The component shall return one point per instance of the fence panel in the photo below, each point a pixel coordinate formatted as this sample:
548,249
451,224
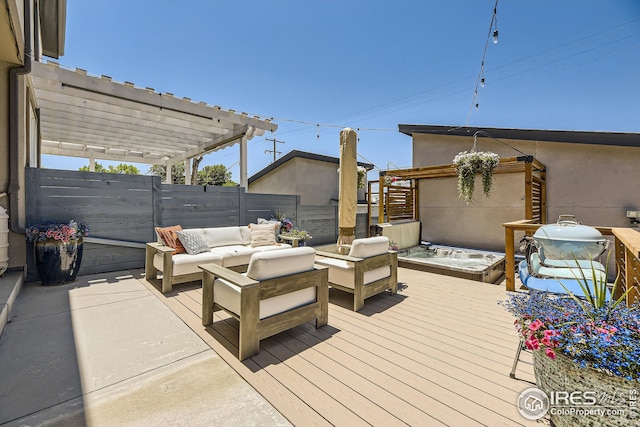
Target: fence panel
118,207
128,207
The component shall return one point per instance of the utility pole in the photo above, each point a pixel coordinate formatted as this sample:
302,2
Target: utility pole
274,151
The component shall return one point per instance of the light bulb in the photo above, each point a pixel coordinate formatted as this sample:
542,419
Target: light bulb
477,106
482,82
495,36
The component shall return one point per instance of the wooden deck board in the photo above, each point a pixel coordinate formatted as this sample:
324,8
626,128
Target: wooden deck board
437,353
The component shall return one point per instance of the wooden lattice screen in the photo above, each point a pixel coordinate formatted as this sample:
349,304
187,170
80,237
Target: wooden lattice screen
400,202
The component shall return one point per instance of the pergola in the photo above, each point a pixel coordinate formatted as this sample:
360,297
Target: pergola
97,118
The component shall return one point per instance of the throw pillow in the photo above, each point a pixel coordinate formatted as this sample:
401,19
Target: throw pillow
170,238
193,241
271,221
263,235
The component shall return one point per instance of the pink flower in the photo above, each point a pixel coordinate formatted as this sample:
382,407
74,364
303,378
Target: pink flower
536,324
550,353
532,344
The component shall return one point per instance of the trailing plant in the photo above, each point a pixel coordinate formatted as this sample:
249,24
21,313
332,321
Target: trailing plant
467,164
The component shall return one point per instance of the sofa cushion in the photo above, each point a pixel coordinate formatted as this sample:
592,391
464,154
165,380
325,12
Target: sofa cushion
369,246
269,264
263,234
223,236
170,238
193,241
245,232
187,264
233,255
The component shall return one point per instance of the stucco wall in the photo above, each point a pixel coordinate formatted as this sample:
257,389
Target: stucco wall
596,183
315,181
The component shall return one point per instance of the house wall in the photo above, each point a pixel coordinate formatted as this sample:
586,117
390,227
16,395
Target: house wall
11,54
596,183
315,181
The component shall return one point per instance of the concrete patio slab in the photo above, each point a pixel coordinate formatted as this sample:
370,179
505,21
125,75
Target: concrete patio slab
105,351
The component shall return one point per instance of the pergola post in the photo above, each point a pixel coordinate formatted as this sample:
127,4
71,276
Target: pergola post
187,172
167,178
244,179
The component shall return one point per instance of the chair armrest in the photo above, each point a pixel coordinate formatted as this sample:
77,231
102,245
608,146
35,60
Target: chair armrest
228,275
338,256
159,247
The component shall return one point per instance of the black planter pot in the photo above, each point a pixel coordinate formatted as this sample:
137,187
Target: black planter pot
58,262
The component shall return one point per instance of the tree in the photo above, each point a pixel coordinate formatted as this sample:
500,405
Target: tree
122,168
209,175
214,175
177,172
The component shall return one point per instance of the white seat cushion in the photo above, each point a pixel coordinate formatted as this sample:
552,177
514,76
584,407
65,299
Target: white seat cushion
268,265
235,255
342,273
227,295
187,264
369,246
223,236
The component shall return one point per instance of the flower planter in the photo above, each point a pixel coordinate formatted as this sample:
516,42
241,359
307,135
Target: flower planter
615,396
58,262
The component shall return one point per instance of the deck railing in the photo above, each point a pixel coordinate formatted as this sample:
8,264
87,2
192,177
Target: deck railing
627,253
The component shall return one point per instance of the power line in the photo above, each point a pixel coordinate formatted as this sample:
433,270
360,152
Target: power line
274,151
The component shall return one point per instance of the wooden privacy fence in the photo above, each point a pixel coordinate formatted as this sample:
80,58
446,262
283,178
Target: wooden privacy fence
122,211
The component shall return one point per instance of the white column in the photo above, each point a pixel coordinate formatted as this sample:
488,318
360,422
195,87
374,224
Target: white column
167,179
244,179
92,164
187,172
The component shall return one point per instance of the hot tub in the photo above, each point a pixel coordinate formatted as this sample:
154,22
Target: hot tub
481,266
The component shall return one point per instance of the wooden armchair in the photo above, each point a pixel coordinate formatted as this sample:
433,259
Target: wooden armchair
370,268
281,289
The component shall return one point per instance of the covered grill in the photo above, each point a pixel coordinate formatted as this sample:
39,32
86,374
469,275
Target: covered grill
569,240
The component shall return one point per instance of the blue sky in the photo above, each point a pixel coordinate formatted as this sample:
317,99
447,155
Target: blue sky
316,67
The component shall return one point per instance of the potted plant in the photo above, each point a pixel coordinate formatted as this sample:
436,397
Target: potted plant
362,173
285,223
467,164
587,347
301,235
58,250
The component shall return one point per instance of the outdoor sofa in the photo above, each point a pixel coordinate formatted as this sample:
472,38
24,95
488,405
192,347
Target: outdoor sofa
178,252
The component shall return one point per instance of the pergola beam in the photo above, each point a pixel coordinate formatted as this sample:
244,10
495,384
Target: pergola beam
96,118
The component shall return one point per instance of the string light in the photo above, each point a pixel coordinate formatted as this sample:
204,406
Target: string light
493,35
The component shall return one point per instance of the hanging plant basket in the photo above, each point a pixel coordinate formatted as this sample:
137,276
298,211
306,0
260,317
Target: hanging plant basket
467,165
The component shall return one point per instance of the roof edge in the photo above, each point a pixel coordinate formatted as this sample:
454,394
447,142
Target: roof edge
303,155
622,139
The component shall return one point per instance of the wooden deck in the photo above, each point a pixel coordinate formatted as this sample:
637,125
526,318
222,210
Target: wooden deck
438,353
